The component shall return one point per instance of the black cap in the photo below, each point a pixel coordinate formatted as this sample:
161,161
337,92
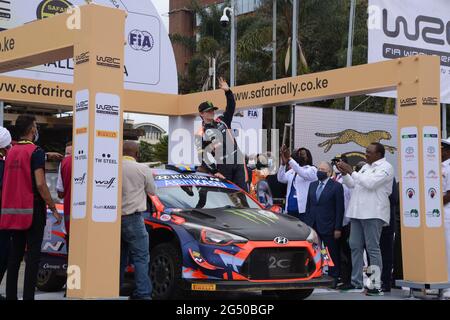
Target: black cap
206,106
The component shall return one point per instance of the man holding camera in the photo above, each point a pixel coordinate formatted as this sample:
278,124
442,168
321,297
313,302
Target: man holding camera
369,210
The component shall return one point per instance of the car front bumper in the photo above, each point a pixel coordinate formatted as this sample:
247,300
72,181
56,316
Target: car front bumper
233,285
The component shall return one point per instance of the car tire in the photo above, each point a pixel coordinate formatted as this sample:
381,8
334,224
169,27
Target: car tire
165,271
50,280
300,294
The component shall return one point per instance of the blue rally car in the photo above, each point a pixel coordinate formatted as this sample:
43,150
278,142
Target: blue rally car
206,234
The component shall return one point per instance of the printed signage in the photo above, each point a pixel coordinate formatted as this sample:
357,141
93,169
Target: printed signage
80,155
432,183
404,28
106,158
148,45
410,177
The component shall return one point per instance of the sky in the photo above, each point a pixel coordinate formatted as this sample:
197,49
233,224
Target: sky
163,8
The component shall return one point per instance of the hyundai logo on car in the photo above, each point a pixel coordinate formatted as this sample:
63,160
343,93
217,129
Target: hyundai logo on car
281,240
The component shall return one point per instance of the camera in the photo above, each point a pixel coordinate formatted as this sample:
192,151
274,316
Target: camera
224,20
335,160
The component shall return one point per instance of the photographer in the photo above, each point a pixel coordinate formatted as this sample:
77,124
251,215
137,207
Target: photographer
345,251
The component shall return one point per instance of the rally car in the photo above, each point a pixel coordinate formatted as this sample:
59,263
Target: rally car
206,234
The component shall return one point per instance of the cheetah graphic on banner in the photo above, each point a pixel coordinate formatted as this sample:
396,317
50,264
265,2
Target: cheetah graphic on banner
360,138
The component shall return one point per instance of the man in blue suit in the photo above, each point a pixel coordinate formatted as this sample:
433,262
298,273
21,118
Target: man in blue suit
325,212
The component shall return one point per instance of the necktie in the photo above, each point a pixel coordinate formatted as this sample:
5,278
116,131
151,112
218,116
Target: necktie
319,191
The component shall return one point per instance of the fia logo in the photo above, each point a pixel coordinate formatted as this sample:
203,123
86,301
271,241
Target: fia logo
252,114
141,40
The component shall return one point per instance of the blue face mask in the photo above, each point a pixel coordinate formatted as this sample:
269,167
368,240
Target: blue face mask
321,175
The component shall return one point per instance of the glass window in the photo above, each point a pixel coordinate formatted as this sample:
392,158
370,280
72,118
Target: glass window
190,197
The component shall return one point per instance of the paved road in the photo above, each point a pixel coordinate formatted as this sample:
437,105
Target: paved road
319,294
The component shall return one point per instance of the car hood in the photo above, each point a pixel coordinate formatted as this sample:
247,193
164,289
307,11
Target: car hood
253,224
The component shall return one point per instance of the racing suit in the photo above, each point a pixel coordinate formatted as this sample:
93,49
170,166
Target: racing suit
216,139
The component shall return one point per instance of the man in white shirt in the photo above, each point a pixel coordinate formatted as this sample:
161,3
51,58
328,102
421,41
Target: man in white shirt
445,145
369,211
298,178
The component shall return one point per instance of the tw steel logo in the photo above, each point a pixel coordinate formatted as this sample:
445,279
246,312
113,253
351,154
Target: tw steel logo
432,29
106,61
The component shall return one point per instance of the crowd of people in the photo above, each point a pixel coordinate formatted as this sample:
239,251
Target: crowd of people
354,210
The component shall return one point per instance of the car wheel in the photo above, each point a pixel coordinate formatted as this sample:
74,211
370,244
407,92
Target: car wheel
49,280
300,294
165,271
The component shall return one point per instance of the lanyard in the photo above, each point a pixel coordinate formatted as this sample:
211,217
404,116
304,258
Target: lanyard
25,142
129,158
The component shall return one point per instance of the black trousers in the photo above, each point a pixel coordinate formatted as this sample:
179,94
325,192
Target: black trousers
30,239
387,255
236,173
5,242
346,255
398,261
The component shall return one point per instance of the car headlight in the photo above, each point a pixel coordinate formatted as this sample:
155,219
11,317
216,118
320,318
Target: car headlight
212,236
313,237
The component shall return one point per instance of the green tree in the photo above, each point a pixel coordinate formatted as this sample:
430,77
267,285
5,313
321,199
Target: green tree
322,38
213,42
145,152
161,149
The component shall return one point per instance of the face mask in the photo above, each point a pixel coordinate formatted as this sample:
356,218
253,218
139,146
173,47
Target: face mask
336,170
36,136
251,164
270,163
321,175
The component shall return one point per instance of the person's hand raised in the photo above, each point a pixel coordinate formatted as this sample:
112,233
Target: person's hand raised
223,85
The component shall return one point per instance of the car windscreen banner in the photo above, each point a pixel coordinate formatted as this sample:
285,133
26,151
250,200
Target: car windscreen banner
175,180
410,27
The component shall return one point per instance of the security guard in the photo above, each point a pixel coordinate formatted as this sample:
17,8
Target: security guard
24,198
445,146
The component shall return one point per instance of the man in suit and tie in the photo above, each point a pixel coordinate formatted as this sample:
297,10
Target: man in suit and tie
325,212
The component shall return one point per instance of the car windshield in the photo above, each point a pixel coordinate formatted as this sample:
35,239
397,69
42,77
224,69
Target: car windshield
202,197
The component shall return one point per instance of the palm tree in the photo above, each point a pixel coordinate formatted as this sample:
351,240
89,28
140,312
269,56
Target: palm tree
213,43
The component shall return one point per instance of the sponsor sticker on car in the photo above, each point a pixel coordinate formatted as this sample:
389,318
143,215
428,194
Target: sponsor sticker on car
203,287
